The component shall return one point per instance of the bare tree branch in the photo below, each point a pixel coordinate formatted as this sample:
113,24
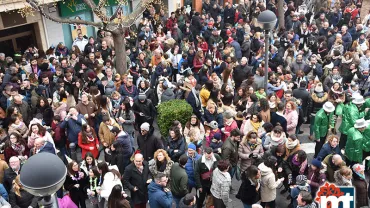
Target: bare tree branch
34,4
97,9
138,11
115,13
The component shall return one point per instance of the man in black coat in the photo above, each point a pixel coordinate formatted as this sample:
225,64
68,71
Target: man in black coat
195,102
11,173
229,13
136,178
242,72
196,25
304,95
147,142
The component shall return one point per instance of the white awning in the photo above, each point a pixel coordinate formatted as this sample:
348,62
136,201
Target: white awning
9,5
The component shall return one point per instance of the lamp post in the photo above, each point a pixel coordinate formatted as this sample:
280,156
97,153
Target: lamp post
267,19
42,175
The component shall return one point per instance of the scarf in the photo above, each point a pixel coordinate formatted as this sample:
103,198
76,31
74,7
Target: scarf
18,148
256,125
290,145
93,183
161,166
272,104
252,146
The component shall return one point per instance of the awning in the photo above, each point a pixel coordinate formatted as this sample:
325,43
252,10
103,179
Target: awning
9,5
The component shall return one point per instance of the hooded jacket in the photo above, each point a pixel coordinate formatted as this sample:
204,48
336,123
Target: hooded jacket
349,117
268,183
322,123
158,198
190,168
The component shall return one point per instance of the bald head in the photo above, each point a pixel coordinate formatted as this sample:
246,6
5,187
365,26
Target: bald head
39,142
337,159
138,160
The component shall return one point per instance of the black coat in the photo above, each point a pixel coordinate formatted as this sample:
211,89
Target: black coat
24,201
132,177
9,176
229,15
148,144
241,73
247,192
304,95
76,193
275,118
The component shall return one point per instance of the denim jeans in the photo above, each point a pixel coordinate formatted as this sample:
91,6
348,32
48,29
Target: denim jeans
232,171
176,199
247,206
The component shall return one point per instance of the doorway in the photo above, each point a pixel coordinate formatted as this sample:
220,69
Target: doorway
21,38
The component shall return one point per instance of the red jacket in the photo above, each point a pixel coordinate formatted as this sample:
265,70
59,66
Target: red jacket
170,23
203,46
86,147
197,64
9,152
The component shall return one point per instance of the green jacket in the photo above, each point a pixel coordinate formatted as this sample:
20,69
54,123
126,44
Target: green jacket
366,141
350,115
354,145
229,151
364,106
179,180
322,122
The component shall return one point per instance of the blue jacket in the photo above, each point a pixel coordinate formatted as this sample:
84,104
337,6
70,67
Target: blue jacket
214,117
327,150
190,167
3,192
158,198
238,51
48,147
73,127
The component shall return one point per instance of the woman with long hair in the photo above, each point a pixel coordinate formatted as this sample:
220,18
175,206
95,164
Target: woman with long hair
176,144
161,163
88,141
117,198
92,185
273,101
269,181
18,197
43,107
195,125
125,117
249,189
75,183
250,150
16,146
11,110
254,123
18,126
38,131
88,162
108,179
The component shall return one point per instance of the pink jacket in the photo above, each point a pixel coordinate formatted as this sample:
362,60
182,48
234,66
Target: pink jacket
210,136
227,129
292,121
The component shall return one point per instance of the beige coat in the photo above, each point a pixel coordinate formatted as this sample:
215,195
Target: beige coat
244,151
105,133
268,183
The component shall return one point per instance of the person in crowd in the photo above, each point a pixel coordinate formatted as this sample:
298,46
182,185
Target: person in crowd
269,181
300,185
88,141
88,162
16,146
360,184
188,201
343,177
19,197
250,151
305,200
193,157
159,195
249,189
291,116
108,179
42,146
176,144
117,199
221,184
179,179
316,177
147,142
161,163
355,138
73,124
229,150
75,183
275,138
330,147
136,178
331,164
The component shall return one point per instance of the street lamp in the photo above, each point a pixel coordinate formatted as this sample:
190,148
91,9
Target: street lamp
267,20
42,175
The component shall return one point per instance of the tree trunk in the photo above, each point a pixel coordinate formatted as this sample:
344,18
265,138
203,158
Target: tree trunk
281,14
120,50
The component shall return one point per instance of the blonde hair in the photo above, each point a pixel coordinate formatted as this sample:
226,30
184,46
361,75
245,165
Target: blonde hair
345,171
164,154
17,186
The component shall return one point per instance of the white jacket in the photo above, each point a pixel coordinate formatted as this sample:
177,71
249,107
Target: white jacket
110,180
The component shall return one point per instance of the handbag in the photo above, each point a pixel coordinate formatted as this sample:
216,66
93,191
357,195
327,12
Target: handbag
206,175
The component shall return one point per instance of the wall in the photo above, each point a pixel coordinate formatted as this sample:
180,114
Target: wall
54,30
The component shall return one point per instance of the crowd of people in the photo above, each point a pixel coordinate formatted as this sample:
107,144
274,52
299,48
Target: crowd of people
72,98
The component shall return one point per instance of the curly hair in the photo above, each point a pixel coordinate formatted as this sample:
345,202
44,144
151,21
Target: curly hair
164,154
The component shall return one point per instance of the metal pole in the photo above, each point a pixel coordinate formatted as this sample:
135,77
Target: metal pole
267,45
